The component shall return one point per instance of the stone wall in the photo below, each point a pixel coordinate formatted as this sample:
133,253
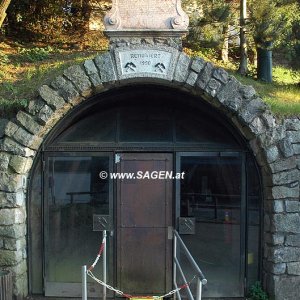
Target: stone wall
276,145
282,218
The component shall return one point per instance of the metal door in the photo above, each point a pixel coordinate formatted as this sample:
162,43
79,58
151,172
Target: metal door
144,216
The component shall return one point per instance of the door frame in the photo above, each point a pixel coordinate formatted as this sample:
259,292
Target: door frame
177,154
169,272
67,289
243,209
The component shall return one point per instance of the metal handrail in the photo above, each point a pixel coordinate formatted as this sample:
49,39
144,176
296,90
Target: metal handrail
191,259
201,280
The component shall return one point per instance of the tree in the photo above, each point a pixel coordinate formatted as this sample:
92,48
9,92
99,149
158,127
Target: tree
3,7
272,25
208,22
46,21
243,69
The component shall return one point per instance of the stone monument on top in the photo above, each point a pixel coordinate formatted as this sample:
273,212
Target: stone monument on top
146,36
146,19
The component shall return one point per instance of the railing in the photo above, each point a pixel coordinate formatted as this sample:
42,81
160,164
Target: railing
201,280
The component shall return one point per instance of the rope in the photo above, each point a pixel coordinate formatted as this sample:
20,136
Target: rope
90,273
184,286
99,255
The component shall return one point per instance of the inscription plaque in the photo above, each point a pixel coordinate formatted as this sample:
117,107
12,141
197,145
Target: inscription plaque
145,61
146,15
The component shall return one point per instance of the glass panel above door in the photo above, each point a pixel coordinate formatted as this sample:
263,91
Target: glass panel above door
74,194
155,122
99,126
147,124
211,194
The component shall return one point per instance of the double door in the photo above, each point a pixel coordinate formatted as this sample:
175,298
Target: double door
144,209
139,244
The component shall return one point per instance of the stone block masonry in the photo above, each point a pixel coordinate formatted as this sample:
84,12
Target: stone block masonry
275,144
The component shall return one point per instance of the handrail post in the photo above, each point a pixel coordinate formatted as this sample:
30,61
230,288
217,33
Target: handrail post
104,264
174,263
84,282
199,289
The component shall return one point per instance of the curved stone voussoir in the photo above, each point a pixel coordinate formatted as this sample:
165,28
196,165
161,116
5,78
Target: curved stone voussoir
78,77
205,76
40,110
229,94
93,74
252,109
51,97
198,64
28,122
248,92
106,67
221,75
66,89
182,69
10,146
213,87
258,126
22,136
269,119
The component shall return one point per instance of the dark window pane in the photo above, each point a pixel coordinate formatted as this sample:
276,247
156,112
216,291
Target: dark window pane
98,127
145,125
211,193
197,128
75,193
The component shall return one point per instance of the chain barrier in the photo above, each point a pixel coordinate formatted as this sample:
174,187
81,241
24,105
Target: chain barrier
90,274
98,255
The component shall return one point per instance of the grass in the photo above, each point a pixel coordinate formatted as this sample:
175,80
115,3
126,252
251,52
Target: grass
282,95
23,70
283,98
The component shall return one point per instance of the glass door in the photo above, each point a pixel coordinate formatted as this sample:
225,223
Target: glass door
73,193
212,195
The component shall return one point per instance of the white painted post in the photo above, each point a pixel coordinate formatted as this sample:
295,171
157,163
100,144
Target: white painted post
84,282
174,263
104,265
199,289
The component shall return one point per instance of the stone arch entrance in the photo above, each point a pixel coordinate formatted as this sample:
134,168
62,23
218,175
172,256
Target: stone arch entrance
274,144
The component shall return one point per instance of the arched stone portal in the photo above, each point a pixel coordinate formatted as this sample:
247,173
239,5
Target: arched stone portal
275,145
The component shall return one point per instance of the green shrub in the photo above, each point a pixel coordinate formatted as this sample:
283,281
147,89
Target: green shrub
257,292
